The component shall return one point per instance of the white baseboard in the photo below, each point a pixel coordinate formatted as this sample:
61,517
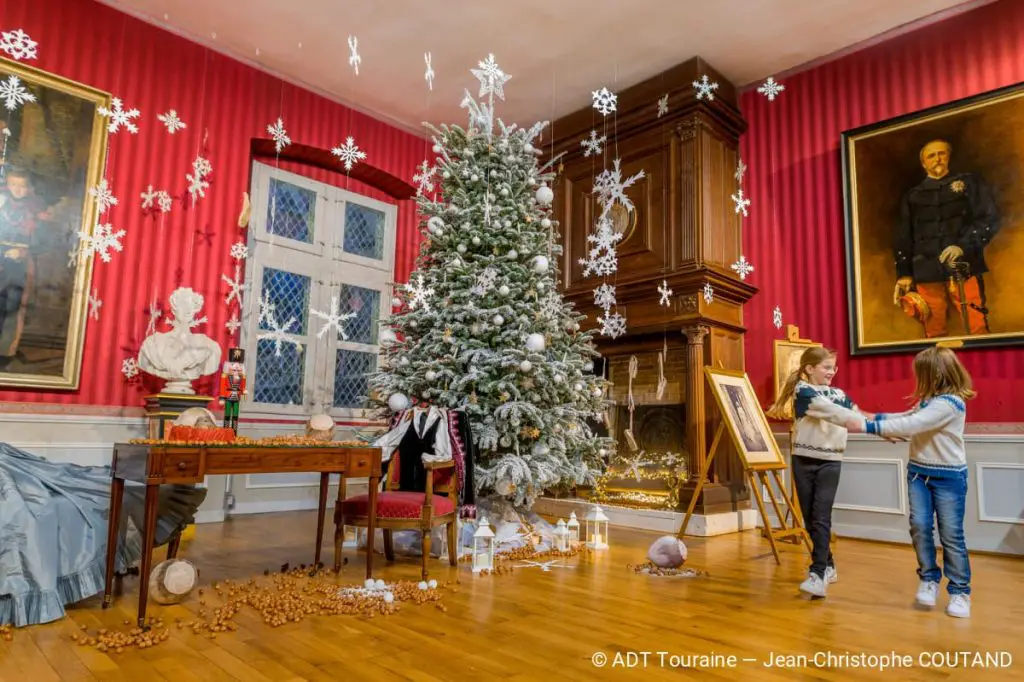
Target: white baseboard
661,521
210,516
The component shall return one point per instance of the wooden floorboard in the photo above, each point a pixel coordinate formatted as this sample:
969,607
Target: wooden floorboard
535,625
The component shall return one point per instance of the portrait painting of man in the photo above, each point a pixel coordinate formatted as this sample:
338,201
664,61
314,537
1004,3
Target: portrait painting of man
934,203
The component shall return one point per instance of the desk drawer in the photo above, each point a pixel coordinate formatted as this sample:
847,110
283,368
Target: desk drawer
181,464
359,465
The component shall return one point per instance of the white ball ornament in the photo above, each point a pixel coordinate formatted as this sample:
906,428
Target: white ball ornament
380,584
403,361
369,584
578,387
389,597
535,343
513,254
461,248
430,375
597,392
541,449
525,366
495,173
398,402
503,290
422,585
545,223
532,182
507,223
498,320
474,177
435,225
432,584
437,149
446,175
414,324
602,452
558,378
544,195
541,264
542,285
476,241
588,366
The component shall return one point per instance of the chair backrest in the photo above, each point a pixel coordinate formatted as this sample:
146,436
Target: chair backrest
444,479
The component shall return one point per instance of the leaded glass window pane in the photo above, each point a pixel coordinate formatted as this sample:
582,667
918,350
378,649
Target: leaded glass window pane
365,303
279,378
350,377
364,231
290,211
288,293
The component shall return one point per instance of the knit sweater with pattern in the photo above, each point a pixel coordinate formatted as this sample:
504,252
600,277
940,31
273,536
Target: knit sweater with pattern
936,432
821,413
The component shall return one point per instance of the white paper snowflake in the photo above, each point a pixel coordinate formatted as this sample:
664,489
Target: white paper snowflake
429,75
709,293
634,465
233,325
149,197
155,313
161,198
235,286
349,154
119,117
602,259
267,309
611,188
239,251
100,242
666,294
18,45
662,105
279,334
551,306
424,178
484,281
94,306
279,135
353,57
419,293
103,197
333,319
771,89
545,566
13,94
172,122
592,145
741,170
777,317
164,201
129,368
197,184
742,267
604,101
613,325
604,297
705,88
742,203
492,78
202,166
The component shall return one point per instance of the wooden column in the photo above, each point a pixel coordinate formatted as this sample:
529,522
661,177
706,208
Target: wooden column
696,432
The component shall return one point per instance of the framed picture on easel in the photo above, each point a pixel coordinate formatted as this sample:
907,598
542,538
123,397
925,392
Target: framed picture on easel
744,419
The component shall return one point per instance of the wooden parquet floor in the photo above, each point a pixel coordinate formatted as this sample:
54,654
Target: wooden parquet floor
535,625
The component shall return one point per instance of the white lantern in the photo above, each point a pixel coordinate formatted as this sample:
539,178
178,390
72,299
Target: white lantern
597,529
561,536
483,547
573,529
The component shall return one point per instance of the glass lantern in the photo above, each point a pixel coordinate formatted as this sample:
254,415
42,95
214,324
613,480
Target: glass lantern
561,536
597,529
573,530
483,547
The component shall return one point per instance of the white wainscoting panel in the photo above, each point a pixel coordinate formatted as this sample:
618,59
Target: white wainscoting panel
1000,492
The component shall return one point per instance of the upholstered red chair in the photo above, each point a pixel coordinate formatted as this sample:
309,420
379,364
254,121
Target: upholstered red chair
406,510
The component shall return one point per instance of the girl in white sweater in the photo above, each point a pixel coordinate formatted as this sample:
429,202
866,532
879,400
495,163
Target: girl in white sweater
937,474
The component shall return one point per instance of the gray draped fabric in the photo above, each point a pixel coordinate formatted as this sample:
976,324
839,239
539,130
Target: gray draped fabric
53,532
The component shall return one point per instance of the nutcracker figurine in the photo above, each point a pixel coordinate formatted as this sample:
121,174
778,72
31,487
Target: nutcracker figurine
232,386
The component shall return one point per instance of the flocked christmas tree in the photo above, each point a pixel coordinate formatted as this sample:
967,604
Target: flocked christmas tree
481,325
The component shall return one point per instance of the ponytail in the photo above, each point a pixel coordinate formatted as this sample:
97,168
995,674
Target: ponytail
782,408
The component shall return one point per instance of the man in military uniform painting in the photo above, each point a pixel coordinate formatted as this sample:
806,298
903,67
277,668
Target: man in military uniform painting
947,220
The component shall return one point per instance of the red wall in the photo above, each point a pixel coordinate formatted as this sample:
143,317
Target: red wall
220,99
795,233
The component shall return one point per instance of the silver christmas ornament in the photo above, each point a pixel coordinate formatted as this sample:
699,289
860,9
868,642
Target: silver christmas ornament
525,366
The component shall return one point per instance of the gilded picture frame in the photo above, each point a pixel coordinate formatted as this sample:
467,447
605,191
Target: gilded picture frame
744,419
786,358
55,145
932,206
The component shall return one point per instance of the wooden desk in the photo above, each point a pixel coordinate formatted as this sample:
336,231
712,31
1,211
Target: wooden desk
154,465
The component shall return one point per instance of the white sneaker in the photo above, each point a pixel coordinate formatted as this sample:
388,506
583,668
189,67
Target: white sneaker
814,585
831,575
959,606
927,592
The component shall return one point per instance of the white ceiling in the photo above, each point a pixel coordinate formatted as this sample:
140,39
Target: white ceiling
557,51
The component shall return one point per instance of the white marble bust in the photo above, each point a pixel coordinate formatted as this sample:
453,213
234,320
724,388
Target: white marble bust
180,356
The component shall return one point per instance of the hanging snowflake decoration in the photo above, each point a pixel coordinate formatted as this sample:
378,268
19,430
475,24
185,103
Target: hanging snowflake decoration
349,154
353,58
429,75
592,145
239,251
424,178
604,297
129,368
771,89
233,325
197,184
149,198
119,117
612,325
662,105
18,45
94,307
777,317
705,88
484,281
103,197
604,101
551,306
611,188
164,201
492,78
155,312
13,94
235,286
419,294
666,294
278,334
171,121
602,259
267,309
741,169
279,135
160,198
333,318
100,242
742,203
634,465
709,293
742,267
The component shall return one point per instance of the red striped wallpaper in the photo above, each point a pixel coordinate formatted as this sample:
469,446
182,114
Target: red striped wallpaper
795,233
225,104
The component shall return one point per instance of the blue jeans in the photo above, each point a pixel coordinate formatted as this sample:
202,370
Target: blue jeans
946,499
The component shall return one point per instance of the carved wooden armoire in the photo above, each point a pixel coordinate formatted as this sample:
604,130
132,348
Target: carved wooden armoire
684,230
